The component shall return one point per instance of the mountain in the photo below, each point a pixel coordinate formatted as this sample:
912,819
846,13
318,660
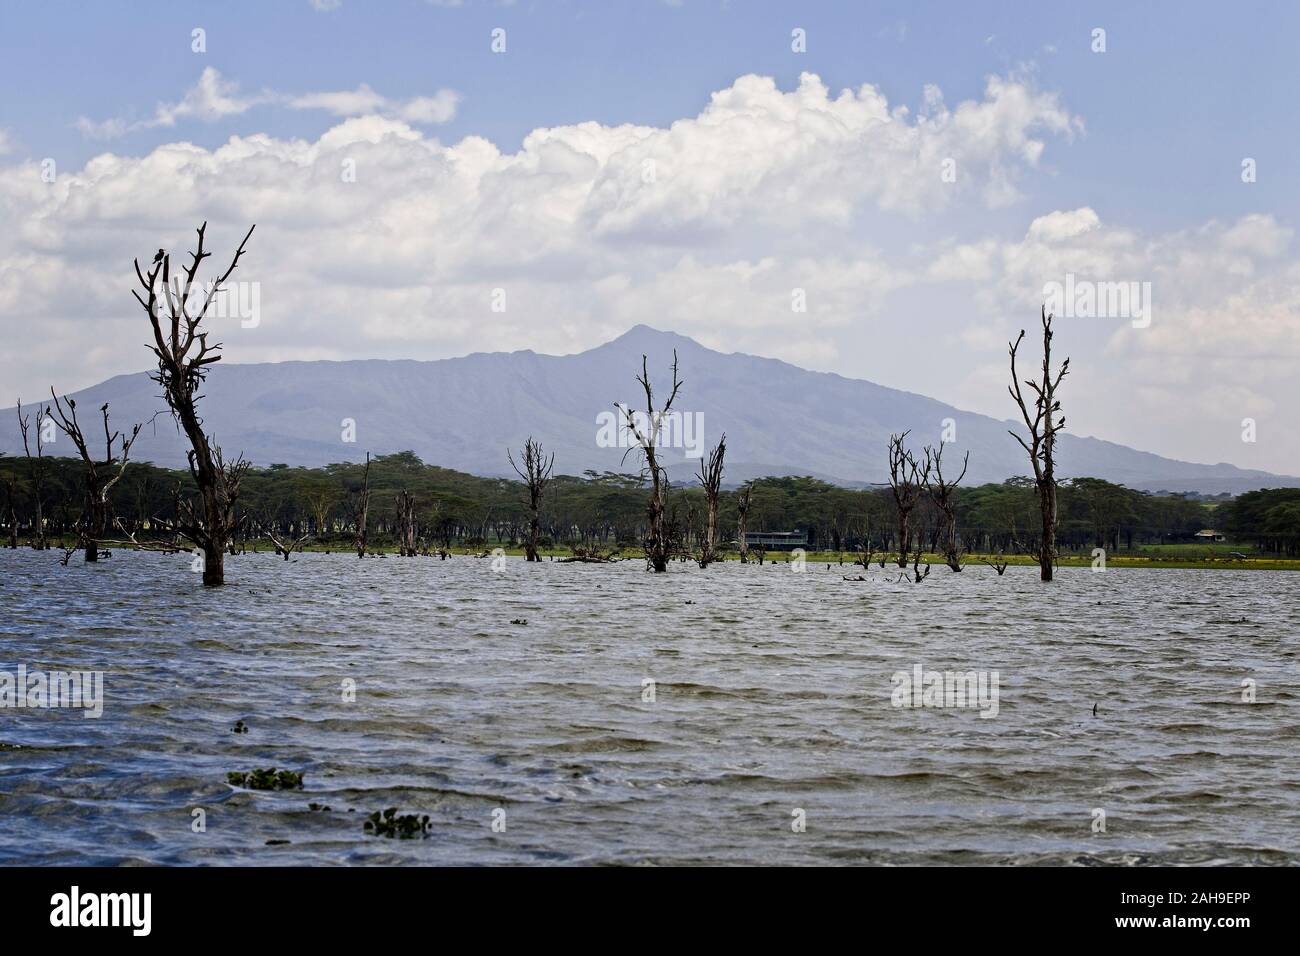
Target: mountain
464,413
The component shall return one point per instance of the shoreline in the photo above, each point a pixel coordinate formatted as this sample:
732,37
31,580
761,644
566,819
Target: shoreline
849,559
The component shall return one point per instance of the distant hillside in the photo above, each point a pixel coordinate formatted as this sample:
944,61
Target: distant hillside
463,413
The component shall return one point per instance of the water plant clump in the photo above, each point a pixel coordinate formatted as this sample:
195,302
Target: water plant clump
267,779
390,824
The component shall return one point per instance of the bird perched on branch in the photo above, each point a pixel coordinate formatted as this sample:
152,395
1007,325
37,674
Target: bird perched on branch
159,256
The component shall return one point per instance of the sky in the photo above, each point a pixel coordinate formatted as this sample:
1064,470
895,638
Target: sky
886,191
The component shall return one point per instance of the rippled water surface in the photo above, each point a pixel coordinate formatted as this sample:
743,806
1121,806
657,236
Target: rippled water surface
772,693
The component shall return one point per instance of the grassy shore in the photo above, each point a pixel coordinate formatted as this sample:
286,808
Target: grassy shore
1218,556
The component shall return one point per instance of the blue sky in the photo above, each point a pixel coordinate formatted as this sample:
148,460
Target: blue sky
1183,88
1120,165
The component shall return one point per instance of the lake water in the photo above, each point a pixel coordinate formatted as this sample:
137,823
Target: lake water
771,695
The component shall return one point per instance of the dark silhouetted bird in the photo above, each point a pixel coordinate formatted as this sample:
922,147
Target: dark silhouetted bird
159,256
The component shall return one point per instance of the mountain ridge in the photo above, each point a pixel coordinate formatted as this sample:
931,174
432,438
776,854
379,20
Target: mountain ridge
464,412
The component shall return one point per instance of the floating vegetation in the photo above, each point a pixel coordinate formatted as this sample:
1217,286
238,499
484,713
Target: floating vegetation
390,824
239,728
267,779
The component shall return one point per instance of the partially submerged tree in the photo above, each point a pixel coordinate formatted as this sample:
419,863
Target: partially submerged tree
711,481
285,544
742,520
37,468
9,482
536,472
906,480
358,509
944,495
184,354
405,523
658,542
101,473
998,564
1043,425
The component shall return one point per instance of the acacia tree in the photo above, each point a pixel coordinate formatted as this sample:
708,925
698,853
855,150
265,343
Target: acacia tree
101,475
906,480
37,468
944,495
711,480
184,354
535,473
1043,426
658,543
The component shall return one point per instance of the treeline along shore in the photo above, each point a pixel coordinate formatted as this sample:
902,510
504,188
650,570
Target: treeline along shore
223,505
606,513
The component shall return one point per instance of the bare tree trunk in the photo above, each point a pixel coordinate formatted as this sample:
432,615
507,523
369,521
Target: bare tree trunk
184,355
1043,426
943,494
535,473
658,545
101,476
358,507
711,480
906,481
742,519
37,468
406,523
11,492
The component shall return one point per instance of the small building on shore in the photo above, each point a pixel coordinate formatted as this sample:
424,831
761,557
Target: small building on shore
1209,536
776,540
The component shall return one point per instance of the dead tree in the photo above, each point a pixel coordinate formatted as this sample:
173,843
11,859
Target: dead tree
171,546
184,354
742,518
101,474
406,524
944,495
906,480
358,509
10,483
284,546
535,473
658,543
998,564
917,573
37,468
1043,426
711,480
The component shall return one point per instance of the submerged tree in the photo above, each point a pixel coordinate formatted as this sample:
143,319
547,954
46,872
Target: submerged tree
1043,426
405,523
535,473
742,521
711,481
184,354
358,509
906,480
658,542
101,474
944,495
38,468
9,482
286,544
